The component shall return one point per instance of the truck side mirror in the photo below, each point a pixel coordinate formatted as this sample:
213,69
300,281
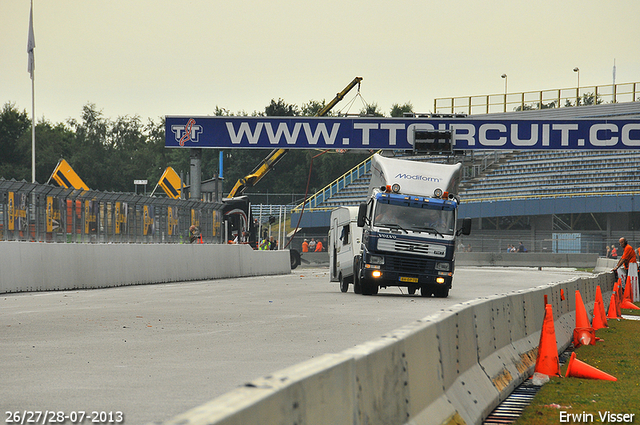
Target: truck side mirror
466,226
362,214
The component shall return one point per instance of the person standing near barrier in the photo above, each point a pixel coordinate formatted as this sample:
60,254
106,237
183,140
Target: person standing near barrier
628,256
305,246
194,233
614,252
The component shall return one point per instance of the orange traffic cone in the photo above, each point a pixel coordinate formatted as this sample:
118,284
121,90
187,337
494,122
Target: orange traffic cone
599,321
613,311
582,319
583,334
603,313
579,369
620,293
547,361
626,299
627,288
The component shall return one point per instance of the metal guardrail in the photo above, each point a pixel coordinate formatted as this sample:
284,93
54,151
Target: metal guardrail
542,99
263,211
44,213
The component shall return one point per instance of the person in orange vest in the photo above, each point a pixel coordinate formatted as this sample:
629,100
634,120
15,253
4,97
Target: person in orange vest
319,246
628,256
305,246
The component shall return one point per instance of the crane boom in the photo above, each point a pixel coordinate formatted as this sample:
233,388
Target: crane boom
276,155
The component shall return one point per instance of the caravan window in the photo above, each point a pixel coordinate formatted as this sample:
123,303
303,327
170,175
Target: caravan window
344,236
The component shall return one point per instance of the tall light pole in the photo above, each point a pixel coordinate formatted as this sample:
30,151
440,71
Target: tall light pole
505,91
576,69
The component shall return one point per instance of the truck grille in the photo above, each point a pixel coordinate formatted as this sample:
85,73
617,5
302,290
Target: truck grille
413,247
409,264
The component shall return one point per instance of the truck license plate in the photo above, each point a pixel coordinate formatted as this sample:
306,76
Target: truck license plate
409,279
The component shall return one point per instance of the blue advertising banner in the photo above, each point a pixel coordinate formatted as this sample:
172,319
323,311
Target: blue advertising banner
397,133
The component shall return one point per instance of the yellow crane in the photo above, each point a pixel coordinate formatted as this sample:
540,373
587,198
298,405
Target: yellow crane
276,155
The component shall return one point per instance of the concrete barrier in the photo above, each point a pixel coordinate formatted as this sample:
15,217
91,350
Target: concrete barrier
29,266
605,264
314,259
480,259
527,259
450,368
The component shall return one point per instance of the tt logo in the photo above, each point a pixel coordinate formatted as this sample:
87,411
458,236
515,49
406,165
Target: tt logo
187,133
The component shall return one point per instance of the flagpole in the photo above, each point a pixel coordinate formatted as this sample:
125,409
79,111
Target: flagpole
31,44
33,130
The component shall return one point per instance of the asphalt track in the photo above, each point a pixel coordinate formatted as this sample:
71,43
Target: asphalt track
155,351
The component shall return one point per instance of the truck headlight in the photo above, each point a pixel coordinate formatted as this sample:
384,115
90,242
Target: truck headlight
443,266
376,259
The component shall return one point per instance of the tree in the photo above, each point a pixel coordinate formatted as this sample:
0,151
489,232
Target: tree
52,143
280,109
398,110
15,143
371,110
523,107
89,151
549,105
312,108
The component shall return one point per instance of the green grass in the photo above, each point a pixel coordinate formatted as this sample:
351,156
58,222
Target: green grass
618,355
585,269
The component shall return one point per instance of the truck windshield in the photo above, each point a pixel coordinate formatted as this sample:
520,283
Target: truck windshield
414,219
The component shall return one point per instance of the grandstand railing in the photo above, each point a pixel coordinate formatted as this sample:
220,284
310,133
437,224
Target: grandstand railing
550,195
472,168
45,213
334,187
543,99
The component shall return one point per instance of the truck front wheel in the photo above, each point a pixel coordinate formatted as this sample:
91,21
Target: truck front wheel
357,284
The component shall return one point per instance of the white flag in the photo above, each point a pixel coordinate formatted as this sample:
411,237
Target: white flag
31,44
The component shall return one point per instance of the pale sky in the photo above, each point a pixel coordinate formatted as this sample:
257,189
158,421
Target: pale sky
160,57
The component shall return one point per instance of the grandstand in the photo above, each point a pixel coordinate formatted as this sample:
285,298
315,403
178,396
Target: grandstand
560,201
549,173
